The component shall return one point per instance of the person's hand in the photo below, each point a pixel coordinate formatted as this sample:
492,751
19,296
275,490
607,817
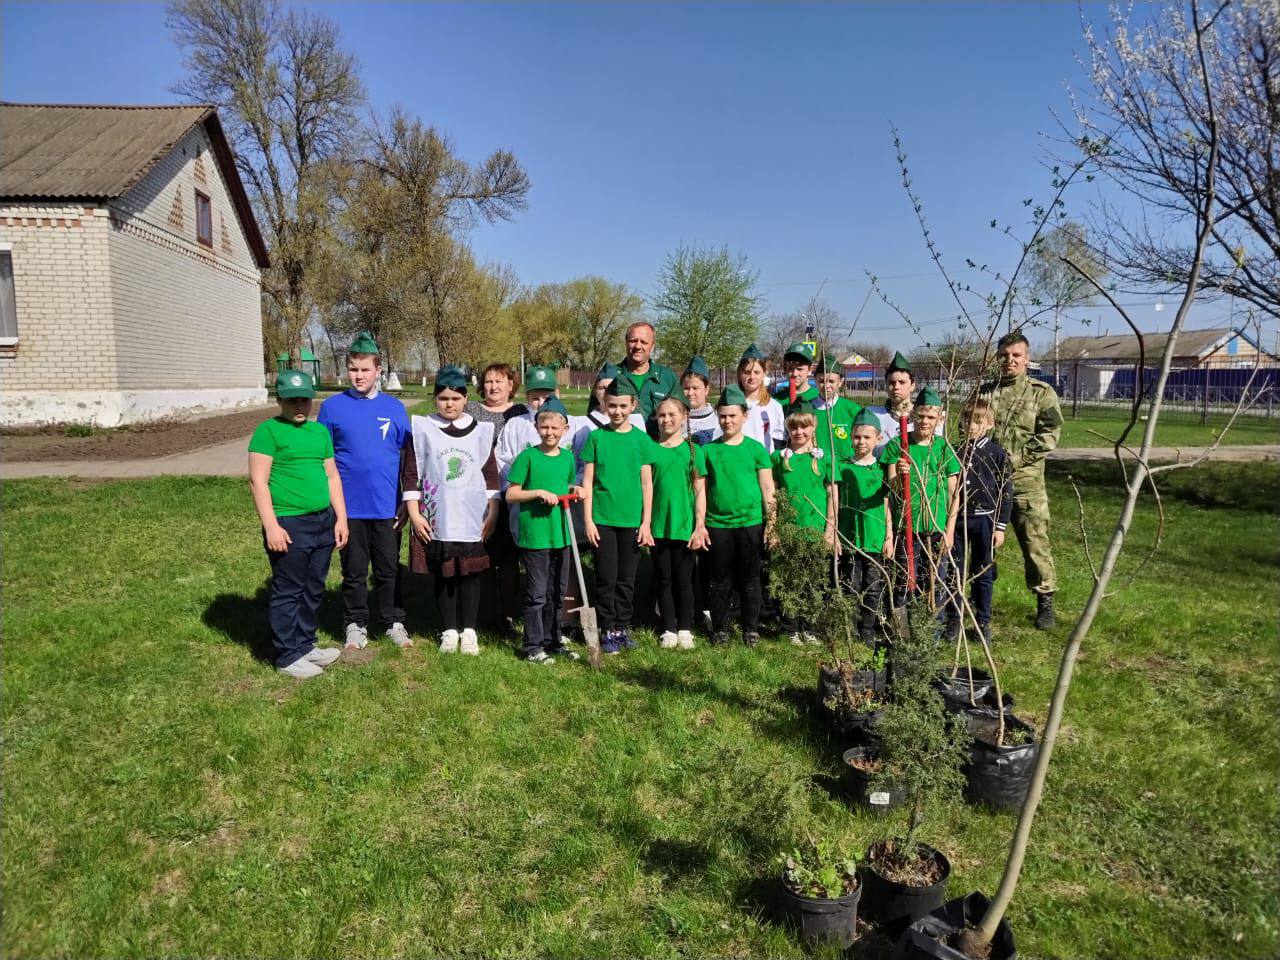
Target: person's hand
340,534
643,536
278,539
998,540
547,497
904,465
888,545
699,540
421,529
770,537
577,491
593,535
490,524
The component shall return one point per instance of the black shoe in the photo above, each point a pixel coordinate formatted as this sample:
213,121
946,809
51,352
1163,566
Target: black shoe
751,638
985,630
1044,611
951,629
720,638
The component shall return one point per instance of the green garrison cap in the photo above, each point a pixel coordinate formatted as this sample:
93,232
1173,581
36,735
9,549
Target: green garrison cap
295,383
621,387
865,418
699,366
363,343
553,405
451,377
800,350
609,371
540,378
752,353
928,397
899,362
829,363
732,396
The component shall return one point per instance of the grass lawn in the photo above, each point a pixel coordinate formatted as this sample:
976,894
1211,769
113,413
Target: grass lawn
166,792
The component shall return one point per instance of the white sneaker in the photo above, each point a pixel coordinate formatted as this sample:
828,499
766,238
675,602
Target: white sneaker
810,639
470,643
668,641
398,635
323,656
449,641
797,640
302,668
357,637
684,639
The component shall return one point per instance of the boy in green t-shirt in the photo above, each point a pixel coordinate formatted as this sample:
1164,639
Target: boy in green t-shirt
538,478
617,505
866,530
930,463
298,495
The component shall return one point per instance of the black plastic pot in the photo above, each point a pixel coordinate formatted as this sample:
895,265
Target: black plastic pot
858,784
894,905
824,921
998,777
829,682
965,690
926,938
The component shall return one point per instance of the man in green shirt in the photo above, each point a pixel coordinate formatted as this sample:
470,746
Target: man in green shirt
652,381
298,495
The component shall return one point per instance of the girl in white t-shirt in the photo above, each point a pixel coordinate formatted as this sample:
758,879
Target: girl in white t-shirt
766,423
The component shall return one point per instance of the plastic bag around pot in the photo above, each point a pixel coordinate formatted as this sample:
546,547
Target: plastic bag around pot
926,938
857,784
894,905
820,920
998,777
965,690
829,681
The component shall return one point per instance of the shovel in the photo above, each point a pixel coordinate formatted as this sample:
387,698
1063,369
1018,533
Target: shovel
906,510
586,614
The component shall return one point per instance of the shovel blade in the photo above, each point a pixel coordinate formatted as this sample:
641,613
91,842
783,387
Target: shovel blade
590,635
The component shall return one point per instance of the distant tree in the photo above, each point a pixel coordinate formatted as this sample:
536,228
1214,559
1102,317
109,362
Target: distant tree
877,353
1053,283
706,305
600,312
828,326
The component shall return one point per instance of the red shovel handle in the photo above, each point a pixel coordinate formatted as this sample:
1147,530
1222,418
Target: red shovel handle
906,509
568,498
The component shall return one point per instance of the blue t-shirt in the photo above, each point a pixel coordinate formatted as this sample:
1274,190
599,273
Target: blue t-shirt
368,434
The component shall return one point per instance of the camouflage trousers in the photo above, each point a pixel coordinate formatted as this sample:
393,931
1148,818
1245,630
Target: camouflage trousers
1031,526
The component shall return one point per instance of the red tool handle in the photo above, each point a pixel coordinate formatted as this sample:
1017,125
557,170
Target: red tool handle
906,508
568,498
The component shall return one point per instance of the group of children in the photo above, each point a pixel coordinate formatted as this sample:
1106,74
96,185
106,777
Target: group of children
693,483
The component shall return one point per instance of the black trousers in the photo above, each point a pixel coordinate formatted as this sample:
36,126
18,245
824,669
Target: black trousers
974,558
616,560
863,574
932,563
297,583
673,571
546,574
377,541
735,559
459,601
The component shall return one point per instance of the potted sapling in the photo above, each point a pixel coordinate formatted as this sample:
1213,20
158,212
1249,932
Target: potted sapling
820,892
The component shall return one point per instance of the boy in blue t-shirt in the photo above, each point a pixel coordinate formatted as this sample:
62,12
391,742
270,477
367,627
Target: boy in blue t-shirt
371,433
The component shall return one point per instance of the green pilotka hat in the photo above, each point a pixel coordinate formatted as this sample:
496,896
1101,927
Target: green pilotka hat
899,362
553,405
732,396
451,377
752,353
800,351
295,383
865,418
540,378
699,367
609,371
364,343
928,397
621,387
829,363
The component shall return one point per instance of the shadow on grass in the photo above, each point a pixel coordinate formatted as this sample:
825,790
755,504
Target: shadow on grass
243,620
1251,486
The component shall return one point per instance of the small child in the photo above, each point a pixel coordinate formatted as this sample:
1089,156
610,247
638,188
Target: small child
931,464
298,495
739,502
679,521
865,523
803,475
986,499
703,425
617,505
537,480
454,458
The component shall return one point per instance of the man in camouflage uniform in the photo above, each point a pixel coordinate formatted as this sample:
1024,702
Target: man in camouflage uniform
1028,426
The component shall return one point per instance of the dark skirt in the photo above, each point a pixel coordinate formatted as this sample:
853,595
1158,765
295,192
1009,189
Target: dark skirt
447,558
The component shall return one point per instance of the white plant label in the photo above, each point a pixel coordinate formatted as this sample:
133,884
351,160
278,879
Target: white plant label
879,799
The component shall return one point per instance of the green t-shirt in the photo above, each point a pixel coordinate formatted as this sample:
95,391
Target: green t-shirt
863,488
931,464
733,483
806,489
673,497
840,430
616,497
542,525
298,451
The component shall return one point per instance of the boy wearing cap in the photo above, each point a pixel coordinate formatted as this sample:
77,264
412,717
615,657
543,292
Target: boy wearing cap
865,524
797,394
835,413
371,435
298,495
930,465
899,385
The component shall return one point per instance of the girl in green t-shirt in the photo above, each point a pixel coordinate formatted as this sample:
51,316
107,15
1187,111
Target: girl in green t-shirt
679,521
739,507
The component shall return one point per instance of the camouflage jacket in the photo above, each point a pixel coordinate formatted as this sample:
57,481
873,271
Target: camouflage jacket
1028,424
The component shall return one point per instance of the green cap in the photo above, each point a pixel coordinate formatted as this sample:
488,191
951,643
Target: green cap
928,397
677,395
609,371
295,383
800,351
752,353
451,377
364,343
699,366
865,418
553,405
830,363
899,362
621,387
732,396
540,378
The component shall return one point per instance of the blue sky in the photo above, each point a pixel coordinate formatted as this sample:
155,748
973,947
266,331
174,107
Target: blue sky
761,126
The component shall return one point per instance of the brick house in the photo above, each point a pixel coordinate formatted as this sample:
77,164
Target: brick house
130,262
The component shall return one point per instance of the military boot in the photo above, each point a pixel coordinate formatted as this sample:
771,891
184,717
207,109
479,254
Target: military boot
1044,611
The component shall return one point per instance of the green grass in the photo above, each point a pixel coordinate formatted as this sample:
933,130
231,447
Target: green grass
168,793
1176,428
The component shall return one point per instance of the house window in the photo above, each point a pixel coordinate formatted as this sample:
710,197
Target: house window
8,302
204,219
